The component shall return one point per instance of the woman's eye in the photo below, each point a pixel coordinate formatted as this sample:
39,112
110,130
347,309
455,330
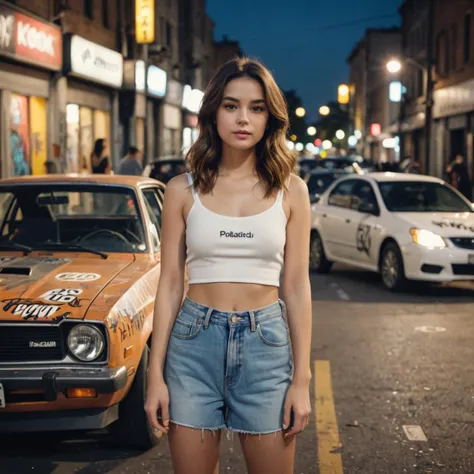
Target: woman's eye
230,106
258,109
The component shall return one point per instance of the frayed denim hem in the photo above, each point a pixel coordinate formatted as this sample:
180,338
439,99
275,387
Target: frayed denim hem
201,428
253,433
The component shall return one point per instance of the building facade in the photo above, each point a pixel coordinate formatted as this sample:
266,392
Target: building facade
372,108
453,109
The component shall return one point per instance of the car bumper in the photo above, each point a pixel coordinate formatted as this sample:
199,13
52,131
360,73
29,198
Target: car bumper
67,420
55,380
437,265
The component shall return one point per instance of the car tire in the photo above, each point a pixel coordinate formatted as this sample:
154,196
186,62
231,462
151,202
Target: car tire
391,267
318,261
132,429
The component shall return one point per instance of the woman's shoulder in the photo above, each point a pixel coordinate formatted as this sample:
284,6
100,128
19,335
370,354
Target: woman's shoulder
296,186
179,186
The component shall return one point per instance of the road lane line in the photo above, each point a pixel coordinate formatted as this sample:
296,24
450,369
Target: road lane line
329,444
340,292
414,433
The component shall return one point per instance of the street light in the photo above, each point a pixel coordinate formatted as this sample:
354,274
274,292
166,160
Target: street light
311,131
340,134
300,112
394,66
324,110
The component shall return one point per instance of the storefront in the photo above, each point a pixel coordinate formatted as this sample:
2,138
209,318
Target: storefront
32,52
95,75
191,104
135,111
453,113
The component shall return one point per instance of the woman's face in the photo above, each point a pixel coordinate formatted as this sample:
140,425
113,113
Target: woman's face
242,115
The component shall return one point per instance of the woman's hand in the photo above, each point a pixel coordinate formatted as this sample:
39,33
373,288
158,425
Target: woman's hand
297,400
157,398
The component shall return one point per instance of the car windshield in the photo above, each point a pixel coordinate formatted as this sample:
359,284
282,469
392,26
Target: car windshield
94,217
319,182
420,196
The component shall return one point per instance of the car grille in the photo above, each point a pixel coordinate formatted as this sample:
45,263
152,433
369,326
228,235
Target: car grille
24,343
463,269
463,242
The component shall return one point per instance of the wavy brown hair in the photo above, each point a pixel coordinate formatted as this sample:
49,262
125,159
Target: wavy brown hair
274,162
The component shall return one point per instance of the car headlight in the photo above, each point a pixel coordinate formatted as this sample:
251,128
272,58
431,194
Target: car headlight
86,342
426,238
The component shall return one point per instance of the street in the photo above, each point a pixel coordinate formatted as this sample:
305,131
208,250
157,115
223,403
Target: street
386,366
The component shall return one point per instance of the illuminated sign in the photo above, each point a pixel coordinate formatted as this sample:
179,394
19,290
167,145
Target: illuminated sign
375,129
144,21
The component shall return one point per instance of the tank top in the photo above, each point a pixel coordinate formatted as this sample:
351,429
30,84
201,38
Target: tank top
246,249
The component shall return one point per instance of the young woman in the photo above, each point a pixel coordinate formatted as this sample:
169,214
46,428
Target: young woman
239,217
99,160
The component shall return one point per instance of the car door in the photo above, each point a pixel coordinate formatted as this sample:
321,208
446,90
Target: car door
335,217
363,227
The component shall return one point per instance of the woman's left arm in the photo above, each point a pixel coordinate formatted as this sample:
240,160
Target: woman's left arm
297,296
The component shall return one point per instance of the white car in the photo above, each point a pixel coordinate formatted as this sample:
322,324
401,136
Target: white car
406,227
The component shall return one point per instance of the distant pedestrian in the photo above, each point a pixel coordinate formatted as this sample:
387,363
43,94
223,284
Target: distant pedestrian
130,165
459,176
99,160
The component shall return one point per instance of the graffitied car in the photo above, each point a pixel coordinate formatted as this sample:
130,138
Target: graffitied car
406,227
79,269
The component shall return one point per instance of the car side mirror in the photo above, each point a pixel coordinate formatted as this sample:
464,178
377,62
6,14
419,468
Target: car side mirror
314,198
369,208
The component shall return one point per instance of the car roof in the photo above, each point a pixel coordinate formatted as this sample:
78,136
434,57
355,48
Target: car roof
390,176
132,181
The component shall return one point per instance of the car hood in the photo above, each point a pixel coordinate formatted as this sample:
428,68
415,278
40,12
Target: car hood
50,288
446,224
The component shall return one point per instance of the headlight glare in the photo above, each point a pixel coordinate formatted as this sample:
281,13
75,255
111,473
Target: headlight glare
428,239
86,342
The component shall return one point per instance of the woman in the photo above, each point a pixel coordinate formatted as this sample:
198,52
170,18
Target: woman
226,360
99,160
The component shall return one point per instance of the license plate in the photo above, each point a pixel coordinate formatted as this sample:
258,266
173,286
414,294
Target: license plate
471,259
2,397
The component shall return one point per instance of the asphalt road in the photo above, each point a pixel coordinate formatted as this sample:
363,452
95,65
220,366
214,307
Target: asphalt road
393,391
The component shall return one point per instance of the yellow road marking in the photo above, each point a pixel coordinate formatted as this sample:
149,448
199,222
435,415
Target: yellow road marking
329,444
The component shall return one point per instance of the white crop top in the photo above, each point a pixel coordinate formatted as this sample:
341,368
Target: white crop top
235,249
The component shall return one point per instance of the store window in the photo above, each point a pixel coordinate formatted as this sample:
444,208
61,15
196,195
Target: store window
28,135
84,127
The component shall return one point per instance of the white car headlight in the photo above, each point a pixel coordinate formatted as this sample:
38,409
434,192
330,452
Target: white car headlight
426,238
86,342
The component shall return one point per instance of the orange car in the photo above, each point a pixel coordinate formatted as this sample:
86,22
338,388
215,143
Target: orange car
79,270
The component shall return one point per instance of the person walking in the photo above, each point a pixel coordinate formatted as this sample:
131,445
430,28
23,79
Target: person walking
233,355
130,164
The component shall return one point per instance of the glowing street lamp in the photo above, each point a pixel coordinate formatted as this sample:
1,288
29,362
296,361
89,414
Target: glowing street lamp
324,110
394,66
311,131
340,134
300,112
327,145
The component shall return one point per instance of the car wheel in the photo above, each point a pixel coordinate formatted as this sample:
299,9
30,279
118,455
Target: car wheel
391,267
132,429
317,257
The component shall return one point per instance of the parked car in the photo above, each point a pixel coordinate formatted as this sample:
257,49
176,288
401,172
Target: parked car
406,227
164,170
319,179
79,269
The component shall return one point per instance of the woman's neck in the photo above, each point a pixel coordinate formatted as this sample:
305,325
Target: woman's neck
237,162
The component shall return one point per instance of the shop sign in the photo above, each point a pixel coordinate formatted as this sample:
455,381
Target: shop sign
453,100
144,21
192,99
174,93
95,62
29,39
156,79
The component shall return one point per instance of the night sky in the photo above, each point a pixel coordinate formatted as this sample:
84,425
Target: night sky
295,40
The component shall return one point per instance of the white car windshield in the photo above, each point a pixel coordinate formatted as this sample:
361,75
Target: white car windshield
421,196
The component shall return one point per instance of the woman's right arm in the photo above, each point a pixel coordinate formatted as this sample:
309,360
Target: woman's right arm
169,296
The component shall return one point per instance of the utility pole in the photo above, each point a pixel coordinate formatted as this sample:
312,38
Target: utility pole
146,159
429,86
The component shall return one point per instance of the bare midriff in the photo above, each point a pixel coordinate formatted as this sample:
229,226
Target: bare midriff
233,297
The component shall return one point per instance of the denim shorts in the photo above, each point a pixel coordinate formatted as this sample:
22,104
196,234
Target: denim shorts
229,369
